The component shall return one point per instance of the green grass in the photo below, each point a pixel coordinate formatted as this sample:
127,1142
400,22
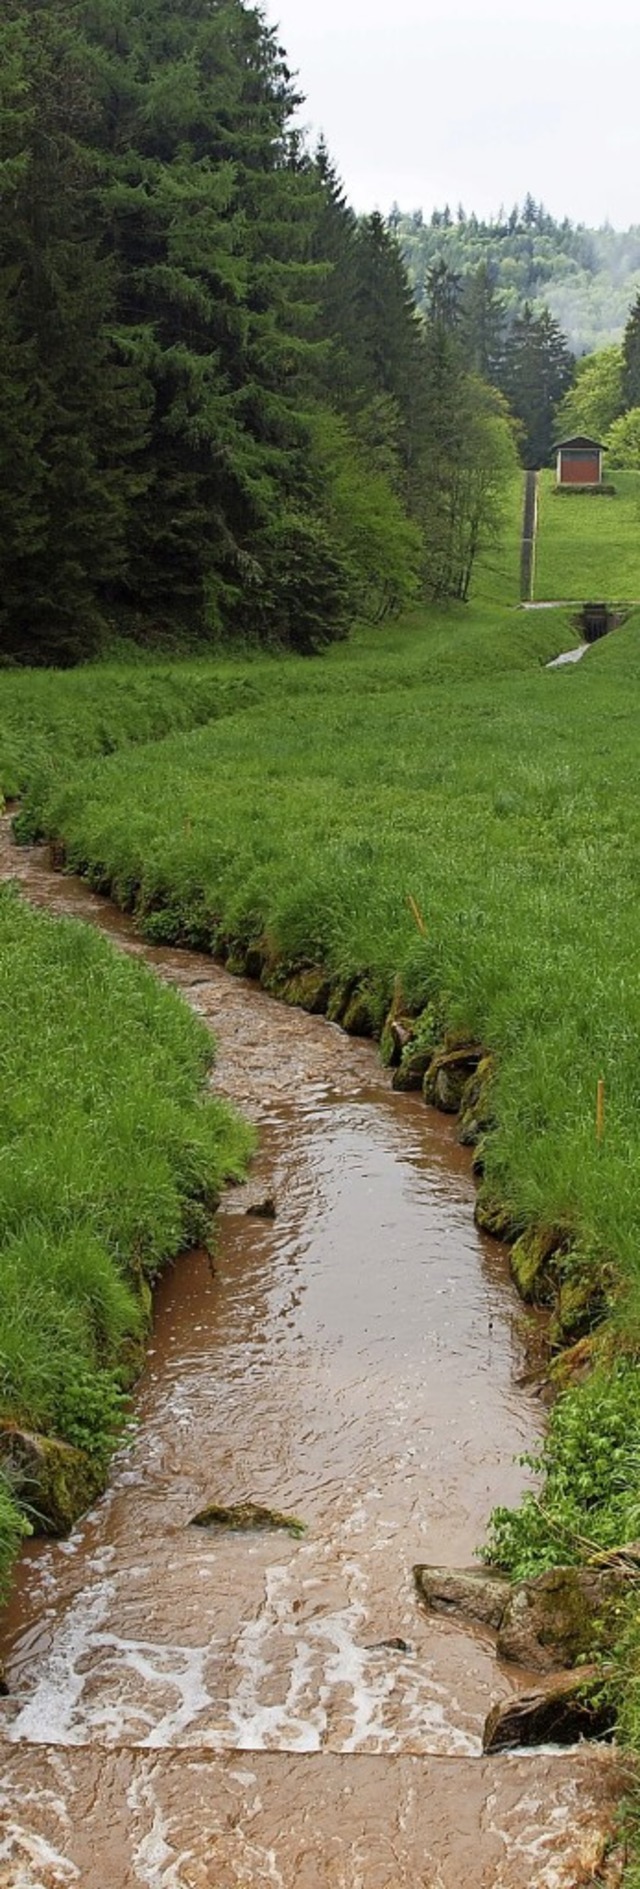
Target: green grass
51,717
111,1162
589,548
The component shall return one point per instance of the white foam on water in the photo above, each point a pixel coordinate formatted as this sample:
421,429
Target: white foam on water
49,1716
28,1855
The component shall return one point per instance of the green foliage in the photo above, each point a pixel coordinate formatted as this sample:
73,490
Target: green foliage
596,398
590,1463
535,372
623,441
13,1528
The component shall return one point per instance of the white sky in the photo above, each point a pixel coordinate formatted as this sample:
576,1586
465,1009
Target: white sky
433,101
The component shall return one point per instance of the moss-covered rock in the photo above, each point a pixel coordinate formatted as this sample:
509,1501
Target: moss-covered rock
342,990
54,1481
562,1710
536,1263
359,1015
447,1076
557,1618
478,1594
476,1115
308,989
247,1517
493,1215
574,1363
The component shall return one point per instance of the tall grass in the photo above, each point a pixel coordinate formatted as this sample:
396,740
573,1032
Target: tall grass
48,718
110,1159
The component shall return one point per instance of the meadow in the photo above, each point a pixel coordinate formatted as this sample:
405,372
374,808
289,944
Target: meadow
588,548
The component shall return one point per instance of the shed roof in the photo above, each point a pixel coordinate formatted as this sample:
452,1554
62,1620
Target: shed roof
580,439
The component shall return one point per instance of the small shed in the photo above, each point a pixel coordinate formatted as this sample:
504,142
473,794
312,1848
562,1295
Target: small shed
579,461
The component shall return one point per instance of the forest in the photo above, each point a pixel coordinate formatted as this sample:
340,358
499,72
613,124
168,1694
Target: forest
586,278
222,415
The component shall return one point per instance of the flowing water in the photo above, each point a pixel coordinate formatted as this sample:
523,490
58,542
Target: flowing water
199,1709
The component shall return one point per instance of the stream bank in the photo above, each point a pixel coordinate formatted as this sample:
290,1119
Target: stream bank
190,1709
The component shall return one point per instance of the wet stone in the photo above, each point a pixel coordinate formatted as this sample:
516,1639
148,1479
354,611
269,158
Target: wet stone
471,1593
561,1711
247,1517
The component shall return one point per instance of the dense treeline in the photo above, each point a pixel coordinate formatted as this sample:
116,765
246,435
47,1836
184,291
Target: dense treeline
216,394
586,278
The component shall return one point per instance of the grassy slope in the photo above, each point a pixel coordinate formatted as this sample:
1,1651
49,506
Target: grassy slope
111,1162
589,548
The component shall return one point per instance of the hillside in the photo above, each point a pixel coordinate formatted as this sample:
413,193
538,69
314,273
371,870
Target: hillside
586,278
588,548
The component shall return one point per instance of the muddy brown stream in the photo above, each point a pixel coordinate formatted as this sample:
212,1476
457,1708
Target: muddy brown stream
200,1710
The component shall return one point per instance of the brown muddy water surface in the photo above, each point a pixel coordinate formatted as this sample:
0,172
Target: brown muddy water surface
198,1709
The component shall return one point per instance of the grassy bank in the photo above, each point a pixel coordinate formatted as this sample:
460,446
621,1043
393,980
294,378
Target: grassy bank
111,1162
446,763
589,547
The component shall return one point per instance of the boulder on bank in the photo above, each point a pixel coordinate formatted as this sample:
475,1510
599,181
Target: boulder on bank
55,1481
560,1712
536,1263
554,1619
448,1074
471,1593
550,1621
476,1114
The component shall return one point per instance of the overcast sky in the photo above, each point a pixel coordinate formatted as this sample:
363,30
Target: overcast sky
431,101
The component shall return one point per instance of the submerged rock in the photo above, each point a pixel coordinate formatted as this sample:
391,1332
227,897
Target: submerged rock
246,1516
560,1711
55,1481
473,1593
263,1209
554,1619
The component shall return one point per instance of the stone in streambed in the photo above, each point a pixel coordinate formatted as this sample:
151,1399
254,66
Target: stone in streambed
246,1517
559,1712
470,1593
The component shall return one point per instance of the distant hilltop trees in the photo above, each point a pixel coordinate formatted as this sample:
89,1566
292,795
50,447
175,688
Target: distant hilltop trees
586,278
